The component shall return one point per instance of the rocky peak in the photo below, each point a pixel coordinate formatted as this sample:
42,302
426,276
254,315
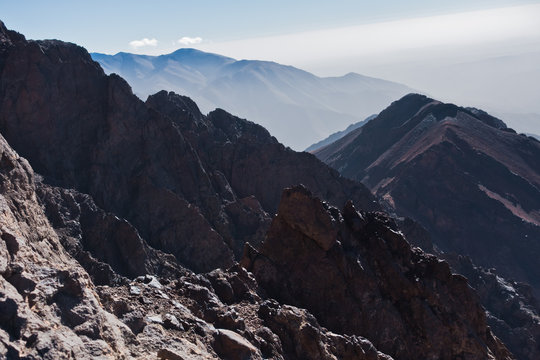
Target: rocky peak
180,109
8,37
471,182
310,216
349,268
471,158
236,128
488,119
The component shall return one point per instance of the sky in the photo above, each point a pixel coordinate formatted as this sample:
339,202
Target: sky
110,26
482,53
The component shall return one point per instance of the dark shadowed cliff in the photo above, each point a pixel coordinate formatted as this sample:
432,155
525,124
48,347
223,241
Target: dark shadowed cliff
195,186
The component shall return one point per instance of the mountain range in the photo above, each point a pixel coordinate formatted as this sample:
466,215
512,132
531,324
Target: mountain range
296,106
133,229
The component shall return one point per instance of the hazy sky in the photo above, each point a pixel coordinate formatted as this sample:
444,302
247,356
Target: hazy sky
110,26
475,52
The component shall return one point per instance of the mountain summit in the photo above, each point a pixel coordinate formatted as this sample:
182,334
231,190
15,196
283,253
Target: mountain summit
470,180
296,106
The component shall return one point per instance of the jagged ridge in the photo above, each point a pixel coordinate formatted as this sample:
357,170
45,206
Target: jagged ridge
187,191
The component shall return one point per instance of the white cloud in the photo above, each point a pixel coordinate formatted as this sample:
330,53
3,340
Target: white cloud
186,40
143,42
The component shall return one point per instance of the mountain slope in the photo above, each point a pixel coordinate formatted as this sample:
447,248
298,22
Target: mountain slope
295,106
89,132
51,307
472,182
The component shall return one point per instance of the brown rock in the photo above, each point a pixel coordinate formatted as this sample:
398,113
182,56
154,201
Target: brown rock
309,216
371,283
167,354
171,322
231,345
303,338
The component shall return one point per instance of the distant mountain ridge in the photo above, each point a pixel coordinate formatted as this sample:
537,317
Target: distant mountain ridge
339,134
296,106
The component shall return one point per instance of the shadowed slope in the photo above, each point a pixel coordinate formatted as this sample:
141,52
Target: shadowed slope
472,182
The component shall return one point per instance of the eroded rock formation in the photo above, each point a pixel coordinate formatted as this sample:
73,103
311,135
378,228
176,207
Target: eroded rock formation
358,275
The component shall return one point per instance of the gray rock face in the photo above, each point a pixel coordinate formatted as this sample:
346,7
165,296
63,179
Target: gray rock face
109,248
48,304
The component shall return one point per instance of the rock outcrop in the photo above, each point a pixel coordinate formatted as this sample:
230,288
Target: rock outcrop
358,275
513,313
109,248
48,304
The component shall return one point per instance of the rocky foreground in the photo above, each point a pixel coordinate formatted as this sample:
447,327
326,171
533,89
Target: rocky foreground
51,308
124,235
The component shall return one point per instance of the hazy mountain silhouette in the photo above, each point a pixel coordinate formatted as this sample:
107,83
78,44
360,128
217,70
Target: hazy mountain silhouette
296,106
